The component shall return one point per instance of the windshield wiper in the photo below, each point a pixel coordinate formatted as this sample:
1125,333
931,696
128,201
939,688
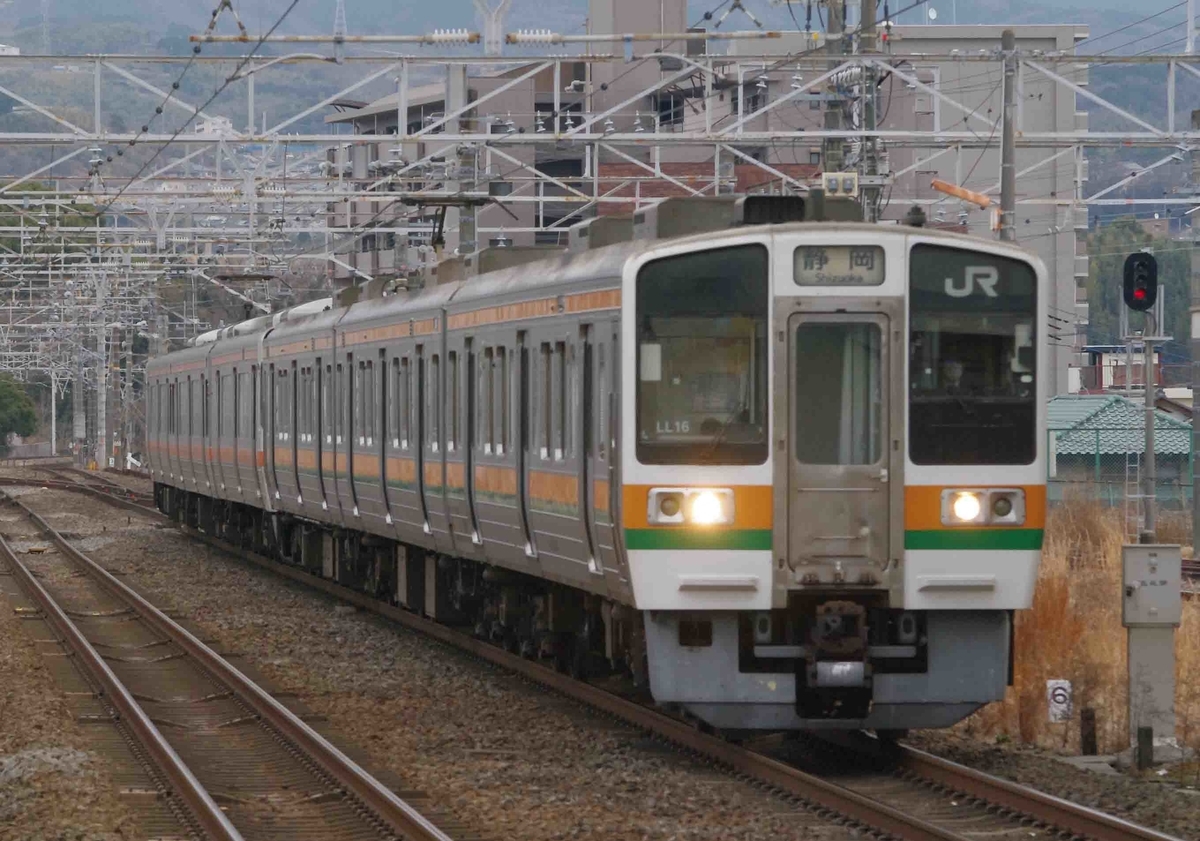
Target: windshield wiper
719,438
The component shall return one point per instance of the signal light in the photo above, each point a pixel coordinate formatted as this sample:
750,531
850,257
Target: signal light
1141,281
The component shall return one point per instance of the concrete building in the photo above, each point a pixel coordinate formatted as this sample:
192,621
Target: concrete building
941,93
970,94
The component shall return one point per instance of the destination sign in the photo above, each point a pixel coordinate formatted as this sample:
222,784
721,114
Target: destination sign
838,265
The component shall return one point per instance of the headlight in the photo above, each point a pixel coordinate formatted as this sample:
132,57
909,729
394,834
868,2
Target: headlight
983,506
966,507
690,506
706,509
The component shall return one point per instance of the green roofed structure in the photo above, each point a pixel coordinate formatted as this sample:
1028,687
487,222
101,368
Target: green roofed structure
1096,447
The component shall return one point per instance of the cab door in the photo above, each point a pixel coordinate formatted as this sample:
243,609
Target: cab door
839,456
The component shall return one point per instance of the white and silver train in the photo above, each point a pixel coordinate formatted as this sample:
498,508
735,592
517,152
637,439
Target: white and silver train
792,476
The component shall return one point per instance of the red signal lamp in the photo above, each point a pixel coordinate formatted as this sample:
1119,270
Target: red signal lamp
1139,294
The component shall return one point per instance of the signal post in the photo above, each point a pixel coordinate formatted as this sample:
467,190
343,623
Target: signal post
1151,598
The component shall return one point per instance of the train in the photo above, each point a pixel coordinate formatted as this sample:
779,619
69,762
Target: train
785,471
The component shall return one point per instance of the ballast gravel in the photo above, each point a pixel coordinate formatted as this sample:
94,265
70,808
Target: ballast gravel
51,786
506,758
1152,801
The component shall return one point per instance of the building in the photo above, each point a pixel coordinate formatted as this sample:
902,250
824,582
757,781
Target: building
1096,445
943,92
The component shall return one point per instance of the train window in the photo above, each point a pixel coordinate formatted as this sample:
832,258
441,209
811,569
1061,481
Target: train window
838,368
972,358
403,402
561,396
244,404
361,419
327,386
196,408
279,405
546,395
380,419
305,408
220,403
301,395
600,403
502,388
701,395
452,385
369,402
252,407
237,403
487,409
339,405
435,402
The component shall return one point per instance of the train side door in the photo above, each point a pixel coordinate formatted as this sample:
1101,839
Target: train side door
839,457
601,366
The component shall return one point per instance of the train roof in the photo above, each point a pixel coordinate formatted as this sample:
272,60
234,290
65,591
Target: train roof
560,268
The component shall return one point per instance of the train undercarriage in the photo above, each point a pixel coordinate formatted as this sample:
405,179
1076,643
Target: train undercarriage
579,633
823,662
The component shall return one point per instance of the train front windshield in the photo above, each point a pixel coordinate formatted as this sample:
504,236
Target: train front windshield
702,358
972,326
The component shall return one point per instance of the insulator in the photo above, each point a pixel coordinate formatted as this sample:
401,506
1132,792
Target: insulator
847,77
537,36
450,36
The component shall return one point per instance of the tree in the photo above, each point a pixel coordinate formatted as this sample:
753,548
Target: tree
1108,247
17,413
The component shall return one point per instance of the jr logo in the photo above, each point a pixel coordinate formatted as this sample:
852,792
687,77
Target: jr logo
985,276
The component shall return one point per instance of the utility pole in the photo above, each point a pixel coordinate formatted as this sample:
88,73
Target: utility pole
127,397
101,442
53,412
870,151
1150,527
1008,143
1195,322
79,416
832,154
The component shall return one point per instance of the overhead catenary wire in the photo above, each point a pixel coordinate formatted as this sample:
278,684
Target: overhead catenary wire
232,77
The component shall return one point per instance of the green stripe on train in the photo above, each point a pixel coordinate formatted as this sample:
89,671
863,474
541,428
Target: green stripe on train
974,539
686,538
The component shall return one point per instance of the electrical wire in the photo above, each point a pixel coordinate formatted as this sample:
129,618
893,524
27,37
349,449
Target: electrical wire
1128,26
232,77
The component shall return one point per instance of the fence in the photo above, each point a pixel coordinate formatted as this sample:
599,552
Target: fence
1107,464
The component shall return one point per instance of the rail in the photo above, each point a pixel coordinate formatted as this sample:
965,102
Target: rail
860,809
398,814
1067,818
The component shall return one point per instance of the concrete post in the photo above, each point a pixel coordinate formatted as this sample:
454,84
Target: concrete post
1195,332
1008,143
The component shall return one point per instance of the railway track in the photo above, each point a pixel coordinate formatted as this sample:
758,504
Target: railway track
884,790
100,483
233,761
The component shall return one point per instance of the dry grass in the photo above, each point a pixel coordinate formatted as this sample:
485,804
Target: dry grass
1074,632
